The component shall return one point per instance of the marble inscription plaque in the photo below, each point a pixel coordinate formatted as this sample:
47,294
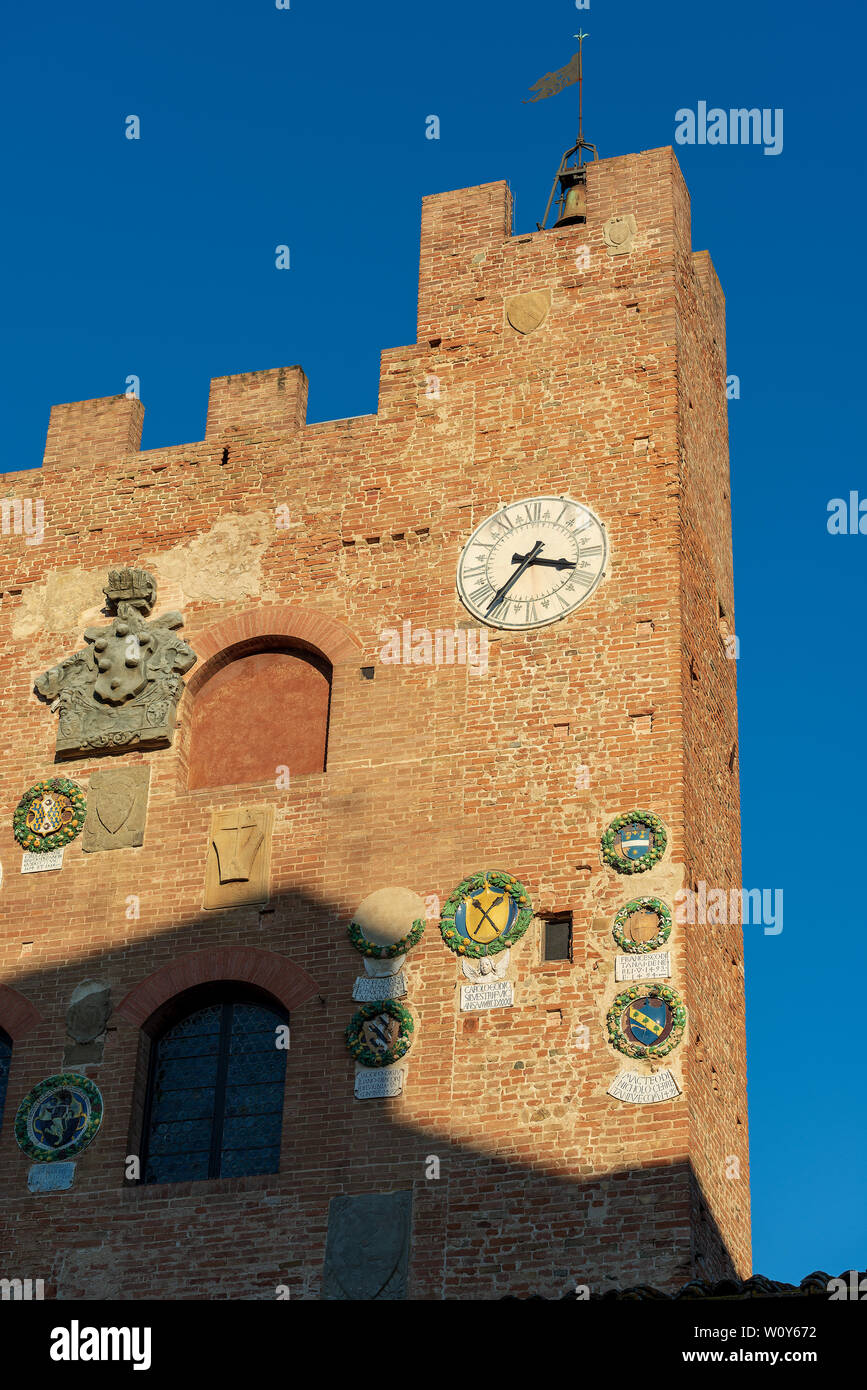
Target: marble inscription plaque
371,1082
50,1177
656,965
644,1090
368,987
493,994
38,863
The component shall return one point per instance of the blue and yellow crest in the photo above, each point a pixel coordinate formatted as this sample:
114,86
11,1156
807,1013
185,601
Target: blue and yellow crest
646,1020
485,914
49,815
649,1021
634,842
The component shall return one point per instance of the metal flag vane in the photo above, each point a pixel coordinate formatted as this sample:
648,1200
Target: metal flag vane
572,201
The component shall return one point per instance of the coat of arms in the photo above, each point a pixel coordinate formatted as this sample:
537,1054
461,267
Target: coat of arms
122,690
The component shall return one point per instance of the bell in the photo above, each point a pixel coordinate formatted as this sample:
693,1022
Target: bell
574,205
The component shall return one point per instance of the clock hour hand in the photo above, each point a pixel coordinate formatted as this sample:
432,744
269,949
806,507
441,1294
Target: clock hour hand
513,578
552,564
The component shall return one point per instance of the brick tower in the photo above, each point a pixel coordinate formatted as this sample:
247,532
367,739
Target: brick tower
284,720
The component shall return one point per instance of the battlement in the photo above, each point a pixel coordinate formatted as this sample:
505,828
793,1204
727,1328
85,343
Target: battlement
470,264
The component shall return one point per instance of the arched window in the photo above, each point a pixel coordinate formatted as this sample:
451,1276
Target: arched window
263,709
5,1061
214,1105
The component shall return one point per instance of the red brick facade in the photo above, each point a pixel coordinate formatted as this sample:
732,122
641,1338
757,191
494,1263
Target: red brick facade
272,534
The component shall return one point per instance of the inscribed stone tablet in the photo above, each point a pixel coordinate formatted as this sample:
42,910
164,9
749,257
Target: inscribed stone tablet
38,863
493,994
656,965
50,1177
644,1090
371,1082
387,987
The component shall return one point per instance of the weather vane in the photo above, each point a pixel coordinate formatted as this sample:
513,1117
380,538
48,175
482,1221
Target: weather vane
572,202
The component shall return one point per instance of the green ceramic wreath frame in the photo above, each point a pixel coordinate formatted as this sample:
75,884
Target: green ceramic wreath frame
54,1083
637,905
495,878
614,1022
43,844
366,1055
397,948
647,861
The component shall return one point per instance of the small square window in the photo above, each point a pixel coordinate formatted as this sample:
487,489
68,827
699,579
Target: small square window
557,937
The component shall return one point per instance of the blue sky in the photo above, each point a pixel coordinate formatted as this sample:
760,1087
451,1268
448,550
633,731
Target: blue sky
306,127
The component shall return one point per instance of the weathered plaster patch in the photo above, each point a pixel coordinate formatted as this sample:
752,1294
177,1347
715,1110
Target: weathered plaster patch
220,565
65,601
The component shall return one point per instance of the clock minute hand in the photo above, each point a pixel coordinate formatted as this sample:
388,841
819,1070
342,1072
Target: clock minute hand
552,564
513,579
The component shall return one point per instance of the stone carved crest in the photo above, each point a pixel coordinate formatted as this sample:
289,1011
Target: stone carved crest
239,857
618,234
122,690
526,312
367,1248
118,799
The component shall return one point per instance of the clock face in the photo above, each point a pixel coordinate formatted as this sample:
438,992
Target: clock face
532,562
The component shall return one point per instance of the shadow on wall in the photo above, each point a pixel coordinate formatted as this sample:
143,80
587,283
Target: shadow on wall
488,1217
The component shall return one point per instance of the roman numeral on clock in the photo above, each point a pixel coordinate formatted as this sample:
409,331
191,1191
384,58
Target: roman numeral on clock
481,594
534,512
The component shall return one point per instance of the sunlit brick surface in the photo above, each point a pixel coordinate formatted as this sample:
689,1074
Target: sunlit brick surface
617,400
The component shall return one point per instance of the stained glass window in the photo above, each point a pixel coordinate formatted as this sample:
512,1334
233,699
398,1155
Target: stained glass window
215,1102
5,1060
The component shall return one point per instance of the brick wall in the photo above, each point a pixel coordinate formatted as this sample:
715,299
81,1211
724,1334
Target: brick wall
617,399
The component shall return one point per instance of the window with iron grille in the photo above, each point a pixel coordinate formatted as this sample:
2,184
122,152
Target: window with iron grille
214,1106
557,937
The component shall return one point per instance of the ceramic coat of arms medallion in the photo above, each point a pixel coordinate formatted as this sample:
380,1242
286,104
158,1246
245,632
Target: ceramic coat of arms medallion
122,689
59,1117
380,1033
485,914
646,1021
634,842
643,925
49,815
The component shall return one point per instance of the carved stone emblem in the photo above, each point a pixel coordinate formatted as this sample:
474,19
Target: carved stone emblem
239,857
86,1022
367,1248
117,801
618,234
122,690
527,311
